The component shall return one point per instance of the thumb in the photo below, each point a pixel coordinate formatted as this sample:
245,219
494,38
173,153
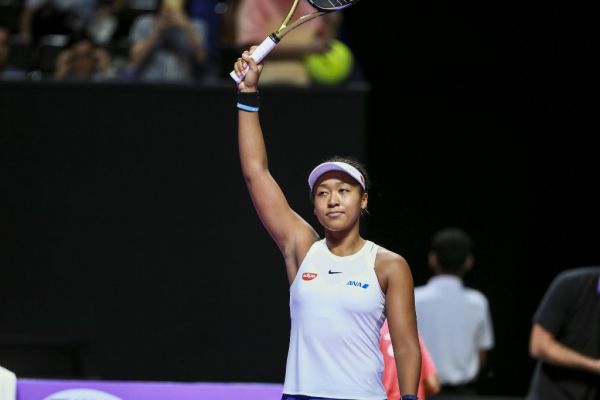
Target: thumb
251,62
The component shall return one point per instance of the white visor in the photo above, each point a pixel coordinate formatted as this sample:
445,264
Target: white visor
335,166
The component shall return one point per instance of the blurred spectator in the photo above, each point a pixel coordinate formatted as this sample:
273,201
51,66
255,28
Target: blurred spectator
208,13
8,384
565,338
257,19
58,17
429,383
7,71
4,48
168,45
453,320
105,21
83,61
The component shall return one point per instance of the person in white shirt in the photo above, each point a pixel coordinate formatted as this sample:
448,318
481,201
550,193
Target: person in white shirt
454,320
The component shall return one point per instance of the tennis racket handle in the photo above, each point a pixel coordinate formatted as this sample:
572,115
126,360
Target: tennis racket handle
258,54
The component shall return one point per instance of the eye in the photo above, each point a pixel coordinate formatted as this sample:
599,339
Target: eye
344,190
321,193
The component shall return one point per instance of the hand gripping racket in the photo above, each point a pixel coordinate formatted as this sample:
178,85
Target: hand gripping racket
321,6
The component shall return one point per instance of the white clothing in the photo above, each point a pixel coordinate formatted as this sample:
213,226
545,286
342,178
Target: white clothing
337,310
8,385
455,323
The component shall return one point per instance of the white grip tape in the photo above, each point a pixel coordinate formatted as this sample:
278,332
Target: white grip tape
259,53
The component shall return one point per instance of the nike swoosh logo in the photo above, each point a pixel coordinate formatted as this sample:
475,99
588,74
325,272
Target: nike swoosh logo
334,272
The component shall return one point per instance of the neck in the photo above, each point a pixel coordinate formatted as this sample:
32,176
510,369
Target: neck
344,243
456,275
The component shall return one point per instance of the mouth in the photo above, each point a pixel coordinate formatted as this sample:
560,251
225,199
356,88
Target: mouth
334,214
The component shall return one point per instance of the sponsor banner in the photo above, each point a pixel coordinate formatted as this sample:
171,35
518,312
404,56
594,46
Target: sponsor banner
45,389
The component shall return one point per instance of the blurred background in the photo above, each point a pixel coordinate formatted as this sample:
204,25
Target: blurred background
129,248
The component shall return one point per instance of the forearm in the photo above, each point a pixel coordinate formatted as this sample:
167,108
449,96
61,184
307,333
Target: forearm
253,154
142,49
25,23
408,365
559,354
195,43
546,348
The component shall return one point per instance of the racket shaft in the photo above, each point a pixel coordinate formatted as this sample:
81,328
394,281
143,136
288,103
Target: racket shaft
258,55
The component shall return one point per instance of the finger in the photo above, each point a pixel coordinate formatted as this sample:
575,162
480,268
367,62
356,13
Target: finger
244,63
238,66
250,61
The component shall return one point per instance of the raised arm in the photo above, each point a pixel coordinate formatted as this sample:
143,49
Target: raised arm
292,234
396,278
545,347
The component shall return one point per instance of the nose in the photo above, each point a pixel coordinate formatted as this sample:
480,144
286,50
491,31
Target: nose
333,200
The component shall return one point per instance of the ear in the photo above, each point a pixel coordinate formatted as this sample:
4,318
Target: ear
364,201
469,262
433,261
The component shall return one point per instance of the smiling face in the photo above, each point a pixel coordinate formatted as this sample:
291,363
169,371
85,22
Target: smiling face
338,201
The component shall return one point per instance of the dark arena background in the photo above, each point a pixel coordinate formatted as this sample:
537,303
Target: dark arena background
129,247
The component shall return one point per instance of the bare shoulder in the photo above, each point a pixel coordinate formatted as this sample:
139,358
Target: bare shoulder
389,262
392,269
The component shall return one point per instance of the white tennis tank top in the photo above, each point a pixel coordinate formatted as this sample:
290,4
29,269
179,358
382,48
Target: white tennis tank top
337,310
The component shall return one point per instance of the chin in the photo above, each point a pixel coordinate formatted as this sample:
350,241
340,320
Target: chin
337,227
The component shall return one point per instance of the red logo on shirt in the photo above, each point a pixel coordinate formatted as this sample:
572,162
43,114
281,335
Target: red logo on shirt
309,276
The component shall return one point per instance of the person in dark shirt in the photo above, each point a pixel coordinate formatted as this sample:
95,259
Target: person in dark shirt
565,338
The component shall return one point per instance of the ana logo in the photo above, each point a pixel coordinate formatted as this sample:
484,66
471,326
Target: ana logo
357,283
81,394
309,276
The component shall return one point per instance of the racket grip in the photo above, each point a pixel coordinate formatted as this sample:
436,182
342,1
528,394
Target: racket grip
258,55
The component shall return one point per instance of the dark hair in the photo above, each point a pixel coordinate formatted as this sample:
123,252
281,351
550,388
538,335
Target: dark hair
452,246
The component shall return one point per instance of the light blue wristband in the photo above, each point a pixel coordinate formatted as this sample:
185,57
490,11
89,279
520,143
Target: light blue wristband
248,101
247,108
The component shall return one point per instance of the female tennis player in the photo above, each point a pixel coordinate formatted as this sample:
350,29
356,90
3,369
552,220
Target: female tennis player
342,287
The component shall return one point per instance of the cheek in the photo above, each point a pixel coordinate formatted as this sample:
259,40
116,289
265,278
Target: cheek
319,205
354,202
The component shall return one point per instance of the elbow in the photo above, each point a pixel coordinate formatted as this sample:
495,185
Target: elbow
253,171
536,350
538,342
249,178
